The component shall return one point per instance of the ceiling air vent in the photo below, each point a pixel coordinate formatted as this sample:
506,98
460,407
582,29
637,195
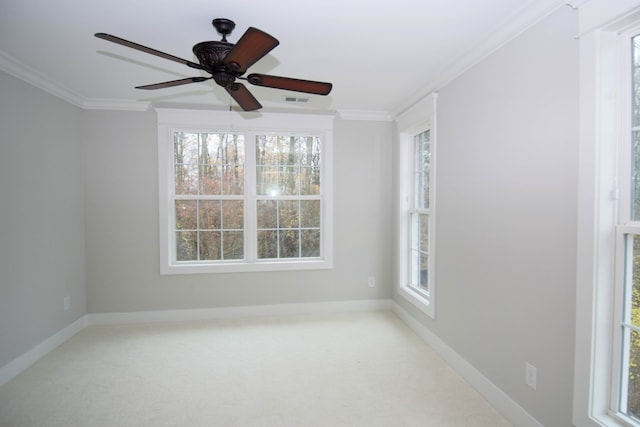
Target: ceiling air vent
295,99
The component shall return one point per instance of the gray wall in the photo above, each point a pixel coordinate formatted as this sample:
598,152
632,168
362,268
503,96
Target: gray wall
507,188
506,216
122,225
41,216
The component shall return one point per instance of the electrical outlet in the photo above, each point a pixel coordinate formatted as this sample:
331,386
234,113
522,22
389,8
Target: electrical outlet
530,375
67,303
372,281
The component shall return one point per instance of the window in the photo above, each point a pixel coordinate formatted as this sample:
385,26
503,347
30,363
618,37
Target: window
606,377
244,194
416,166
626,367
420,213
208,196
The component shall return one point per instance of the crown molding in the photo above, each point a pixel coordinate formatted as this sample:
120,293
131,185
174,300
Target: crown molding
513,26
115,104
508,30
22,71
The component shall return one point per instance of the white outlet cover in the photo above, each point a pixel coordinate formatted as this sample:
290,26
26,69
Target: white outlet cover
531,376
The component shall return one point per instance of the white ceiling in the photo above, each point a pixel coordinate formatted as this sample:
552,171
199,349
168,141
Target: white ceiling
380,55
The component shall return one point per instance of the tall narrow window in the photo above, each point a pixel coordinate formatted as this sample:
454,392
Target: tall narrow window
420,213
607,357
629,250
416,204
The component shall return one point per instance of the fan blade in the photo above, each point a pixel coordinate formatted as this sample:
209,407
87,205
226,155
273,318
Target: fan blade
287,83
174,83
243,97
253,45
145,49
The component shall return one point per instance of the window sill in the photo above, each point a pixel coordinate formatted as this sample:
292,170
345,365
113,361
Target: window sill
243,267
419,301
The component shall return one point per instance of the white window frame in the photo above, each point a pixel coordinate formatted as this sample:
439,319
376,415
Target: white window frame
170,120
626,227
412,122
603,104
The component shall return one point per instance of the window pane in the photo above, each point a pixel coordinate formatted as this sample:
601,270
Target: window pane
233,243
233,214
289,244
635,155
309,181
422,159
419,252
185,148
233,180
288,180
209,211
633,368
267,244
636,82
266,150
209,179
424,253
287,165
210,242
288,214
267,181
310,242
631,337
186,246
186,215
208,163
186,179
635,176
309,213
267,214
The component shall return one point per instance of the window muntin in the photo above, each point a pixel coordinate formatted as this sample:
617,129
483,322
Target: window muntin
253,196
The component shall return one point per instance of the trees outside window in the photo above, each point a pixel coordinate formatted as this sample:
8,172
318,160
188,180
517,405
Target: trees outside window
244,199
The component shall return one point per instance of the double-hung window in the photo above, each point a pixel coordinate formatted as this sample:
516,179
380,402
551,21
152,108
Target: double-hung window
416,215
626,363
244,194
607,355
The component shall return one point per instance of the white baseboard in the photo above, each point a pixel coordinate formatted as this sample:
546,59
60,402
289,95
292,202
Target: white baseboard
496,397
238,312
503,403
20,363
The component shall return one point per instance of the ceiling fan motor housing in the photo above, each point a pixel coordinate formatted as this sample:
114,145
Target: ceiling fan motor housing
211,55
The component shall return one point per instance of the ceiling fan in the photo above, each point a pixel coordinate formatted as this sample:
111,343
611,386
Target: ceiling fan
226,62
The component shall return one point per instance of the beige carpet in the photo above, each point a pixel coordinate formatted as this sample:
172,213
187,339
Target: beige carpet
362,369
